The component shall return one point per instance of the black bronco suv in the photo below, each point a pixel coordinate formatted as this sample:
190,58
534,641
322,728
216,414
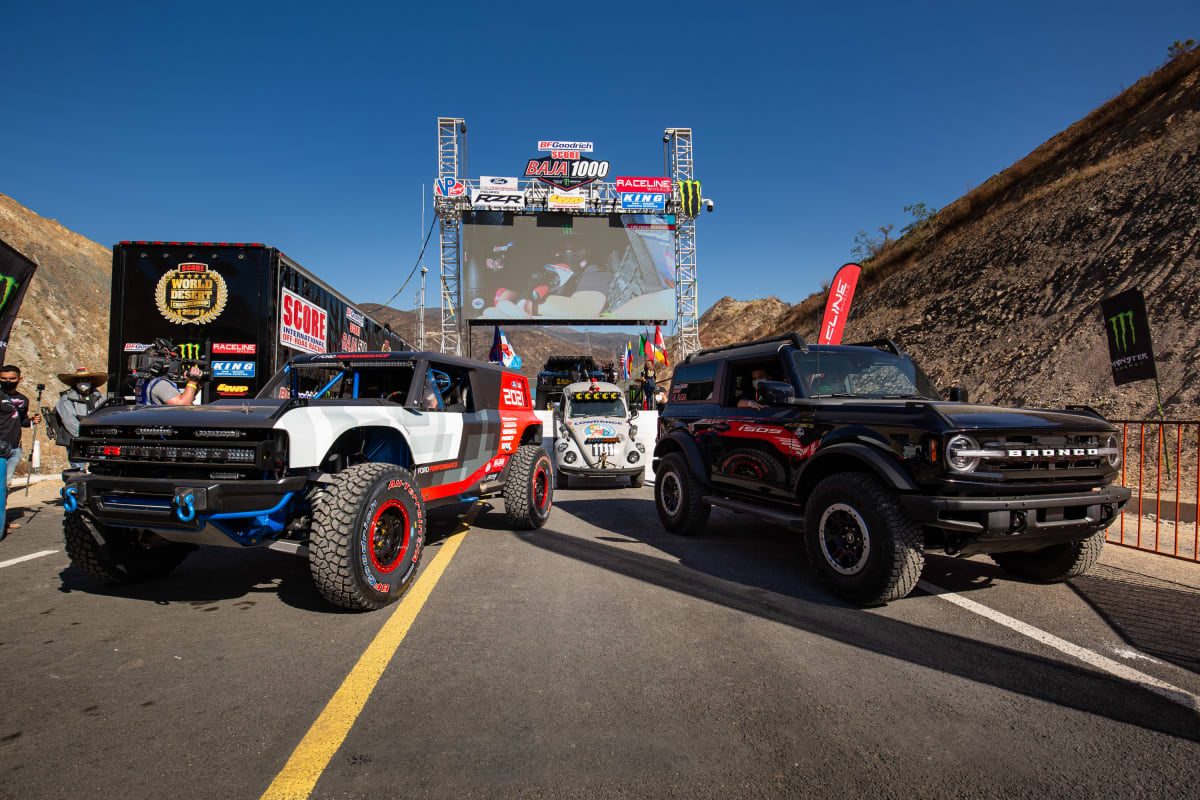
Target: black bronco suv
854,446
561,371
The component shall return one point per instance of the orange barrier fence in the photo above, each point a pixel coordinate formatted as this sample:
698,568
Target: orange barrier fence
1162,467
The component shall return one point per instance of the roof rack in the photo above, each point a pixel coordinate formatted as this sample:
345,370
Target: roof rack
882,344
794,339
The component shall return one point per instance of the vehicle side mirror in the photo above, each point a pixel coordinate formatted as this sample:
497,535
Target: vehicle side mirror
775,393
957,394
633,413
552,408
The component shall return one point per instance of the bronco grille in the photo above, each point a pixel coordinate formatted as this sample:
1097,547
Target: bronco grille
1041,457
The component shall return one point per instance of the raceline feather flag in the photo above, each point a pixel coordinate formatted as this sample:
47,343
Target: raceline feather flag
689,198
837,307
502,352
660,347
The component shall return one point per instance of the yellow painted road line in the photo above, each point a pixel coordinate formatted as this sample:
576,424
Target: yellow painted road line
312,755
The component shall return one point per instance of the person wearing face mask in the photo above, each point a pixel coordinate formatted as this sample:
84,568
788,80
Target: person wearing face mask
10,378
76,403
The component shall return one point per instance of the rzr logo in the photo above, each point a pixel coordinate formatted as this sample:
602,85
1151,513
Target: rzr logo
1122,324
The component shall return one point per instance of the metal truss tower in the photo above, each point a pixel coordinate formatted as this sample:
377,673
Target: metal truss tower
451,131
687,322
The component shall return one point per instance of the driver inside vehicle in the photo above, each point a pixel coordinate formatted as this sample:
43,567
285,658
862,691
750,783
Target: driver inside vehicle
750,386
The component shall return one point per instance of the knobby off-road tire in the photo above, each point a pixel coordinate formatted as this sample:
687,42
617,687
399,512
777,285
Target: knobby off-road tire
528,494
863,546
368,531
638,479
1058,562
119,555
677,496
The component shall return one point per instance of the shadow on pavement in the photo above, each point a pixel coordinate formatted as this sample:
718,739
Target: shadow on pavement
211,574
756,569
1155,616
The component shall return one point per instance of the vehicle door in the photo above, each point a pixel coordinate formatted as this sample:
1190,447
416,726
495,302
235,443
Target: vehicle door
757,450
446,430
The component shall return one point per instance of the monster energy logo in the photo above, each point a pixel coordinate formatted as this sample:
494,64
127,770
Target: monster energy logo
189,352
1121,324
10,287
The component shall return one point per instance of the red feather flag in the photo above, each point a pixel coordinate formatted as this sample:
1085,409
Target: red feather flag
837,307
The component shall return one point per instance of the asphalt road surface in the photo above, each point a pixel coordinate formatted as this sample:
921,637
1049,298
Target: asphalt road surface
599,657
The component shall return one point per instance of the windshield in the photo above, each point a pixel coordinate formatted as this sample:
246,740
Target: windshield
861,373
602,404
342,381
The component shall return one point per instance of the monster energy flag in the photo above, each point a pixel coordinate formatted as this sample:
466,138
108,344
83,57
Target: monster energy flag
689,192
1128,337
15,272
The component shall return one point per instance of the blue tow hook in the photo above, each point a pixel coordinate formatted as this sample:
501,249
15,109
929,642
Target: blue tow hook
186,514
70,501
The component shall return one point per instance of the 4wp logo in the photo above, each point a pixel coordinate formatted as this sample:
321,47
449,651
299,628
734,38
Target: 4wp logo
1123,331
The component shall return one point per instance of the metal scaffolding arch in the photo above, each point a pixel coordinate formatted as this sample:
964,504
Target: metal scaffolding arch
687,321
450,130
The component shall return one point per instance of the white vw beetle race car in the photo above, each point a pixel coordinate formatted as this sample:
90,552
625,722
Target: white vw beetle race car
596,435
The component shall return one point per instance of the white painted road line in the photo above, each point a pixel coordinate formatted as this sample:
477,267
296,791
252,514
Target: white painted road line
29,557
1173,693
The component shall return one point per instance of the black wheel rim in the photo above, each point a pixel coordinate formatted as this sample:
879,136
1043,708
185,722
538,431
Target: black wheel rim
845,539
671,493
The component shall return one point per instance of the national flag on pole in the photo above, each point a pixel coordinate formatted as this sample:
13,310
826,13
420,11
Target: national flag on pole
502,352
646,347
660,347
627,361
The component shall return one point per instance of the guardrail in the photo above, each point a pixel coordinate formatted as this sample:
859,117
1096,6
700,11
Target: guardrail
1170,483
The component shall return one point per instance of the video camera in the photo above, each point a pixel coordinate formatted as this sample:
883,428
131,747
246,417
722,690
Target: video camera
164,359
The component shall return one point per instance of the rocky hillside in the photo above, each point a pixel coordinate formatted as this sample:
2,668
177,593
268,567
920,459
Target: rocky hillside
1001,292
63,322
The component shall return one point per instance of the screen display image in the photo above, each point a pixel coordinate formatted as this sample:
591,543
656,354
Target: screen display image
550,266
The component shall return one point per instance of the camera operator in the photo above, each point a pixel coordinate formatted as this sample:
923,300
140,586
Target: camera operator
160,389
158,373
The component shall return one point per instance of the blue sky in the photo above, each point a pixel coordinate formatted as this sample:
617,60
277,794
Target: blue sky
312,126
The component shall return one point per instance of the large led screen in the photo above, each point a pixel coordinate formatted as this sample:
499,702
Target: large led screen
550,266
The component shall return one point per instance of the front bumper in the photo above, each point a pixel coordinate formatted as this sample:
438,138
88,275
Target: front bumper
162,503
1001,524
599,472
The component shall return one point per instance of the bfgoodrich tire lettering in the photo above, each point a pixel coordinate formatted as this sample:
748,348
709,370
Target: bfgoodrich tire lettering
677,497
861,543
1058,562
367,535
528,493
119,555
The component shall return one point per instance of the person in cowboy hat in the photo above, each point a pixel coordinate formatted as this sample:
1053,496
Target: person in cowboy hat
81,399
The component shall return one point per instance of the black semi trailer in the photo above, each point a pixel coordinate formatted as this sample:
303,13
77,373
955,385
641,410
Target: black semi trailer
245,308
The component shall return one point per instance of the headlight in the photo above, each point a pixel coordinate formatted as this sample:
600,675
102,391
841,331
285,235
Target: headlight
633,457
1113,445
961,454
570,457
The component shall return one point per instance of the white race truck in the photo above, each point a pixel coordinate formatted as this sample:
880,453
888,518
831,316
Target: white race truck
597,437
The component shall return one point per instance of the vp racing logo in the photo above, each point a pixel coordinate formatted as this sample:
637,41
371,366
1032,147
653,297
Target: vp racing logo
1122,330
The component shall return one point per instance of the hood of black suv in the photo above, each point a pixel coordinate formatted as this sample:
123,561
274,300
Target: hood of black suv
980,417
